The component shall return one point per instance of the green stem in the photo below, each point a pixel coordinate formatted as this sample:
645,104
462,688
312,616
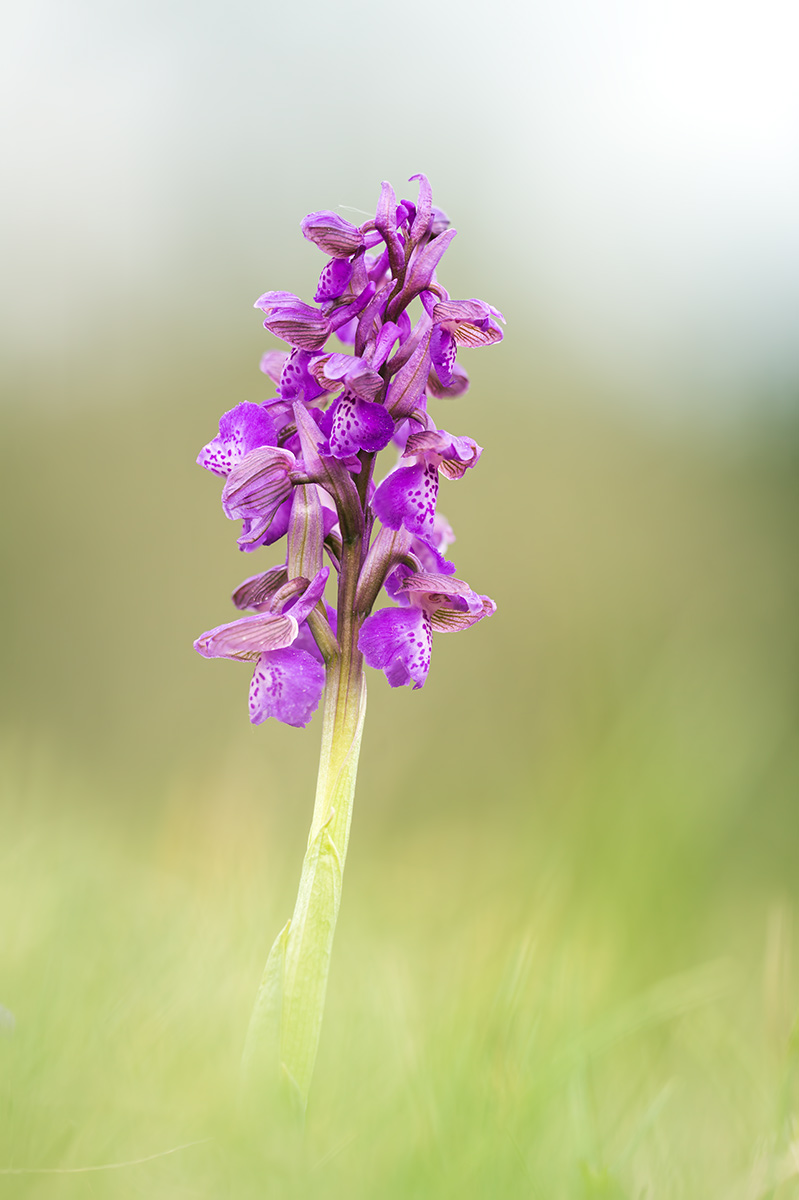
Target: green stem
283,1036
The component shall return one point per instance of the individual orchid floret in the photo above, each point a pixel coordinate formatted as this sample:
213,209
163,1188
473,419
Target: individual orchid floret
398,641
241,430
459,322
332,234
407,496
287,682
299,324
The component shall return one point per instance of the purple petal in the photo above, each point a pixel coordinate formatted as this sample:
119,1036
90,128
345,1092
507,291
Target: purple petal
248,637
259,484
458,385
432,590
296,381
346,333
287,684
299,324
446,619
452,455
332,234
385,340
333,280
276,529
443,349
359,425
398,641
407,497
310,597
258,591
331,370
241,430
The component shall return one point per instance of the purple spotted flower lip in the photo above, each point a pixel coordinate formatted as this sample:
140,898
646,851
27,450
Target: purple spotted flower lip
343,462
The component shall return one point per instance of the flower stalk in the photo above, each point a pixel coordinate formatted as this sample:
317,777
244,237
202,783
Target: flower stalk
301,466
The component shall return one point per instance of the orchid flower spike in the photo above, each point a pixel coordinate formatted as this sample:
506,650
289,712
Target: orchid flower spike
356,377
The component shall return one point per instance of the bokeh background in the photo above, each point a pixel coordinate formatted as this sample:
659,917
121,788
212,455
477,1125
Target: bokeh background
566,960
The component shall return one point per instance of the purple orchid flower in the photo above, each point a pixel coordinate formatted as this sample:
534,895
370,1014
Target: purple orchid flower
459,322
289,677
399,641
407,497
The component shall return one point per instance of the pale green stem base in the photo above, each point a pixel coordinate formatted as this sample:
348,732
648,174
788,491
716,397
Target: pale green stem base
284,1030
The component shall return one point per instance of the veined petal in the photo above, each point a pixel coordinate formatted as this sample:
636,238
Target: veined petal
258,591
462,310
260,531
452,455
434,590
248,637
331,370
398,642
299,324
451,620
332,234
259,484
241,430
287,684
486,333
359,425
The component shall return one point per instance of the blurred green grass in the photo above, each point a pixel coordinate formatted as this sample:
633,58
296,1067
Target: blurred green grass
566,963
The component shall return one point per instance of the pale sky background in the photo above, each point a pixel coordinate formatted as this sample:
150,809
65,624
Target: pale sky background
624,174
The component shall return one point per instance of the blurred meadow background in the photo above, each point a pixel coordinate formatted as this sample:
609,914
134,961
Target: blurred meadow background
566,964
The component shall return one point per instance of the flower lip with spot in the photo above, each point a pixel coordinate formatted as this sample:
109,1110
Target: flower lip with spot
398,641
407,496
241,430
358,424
